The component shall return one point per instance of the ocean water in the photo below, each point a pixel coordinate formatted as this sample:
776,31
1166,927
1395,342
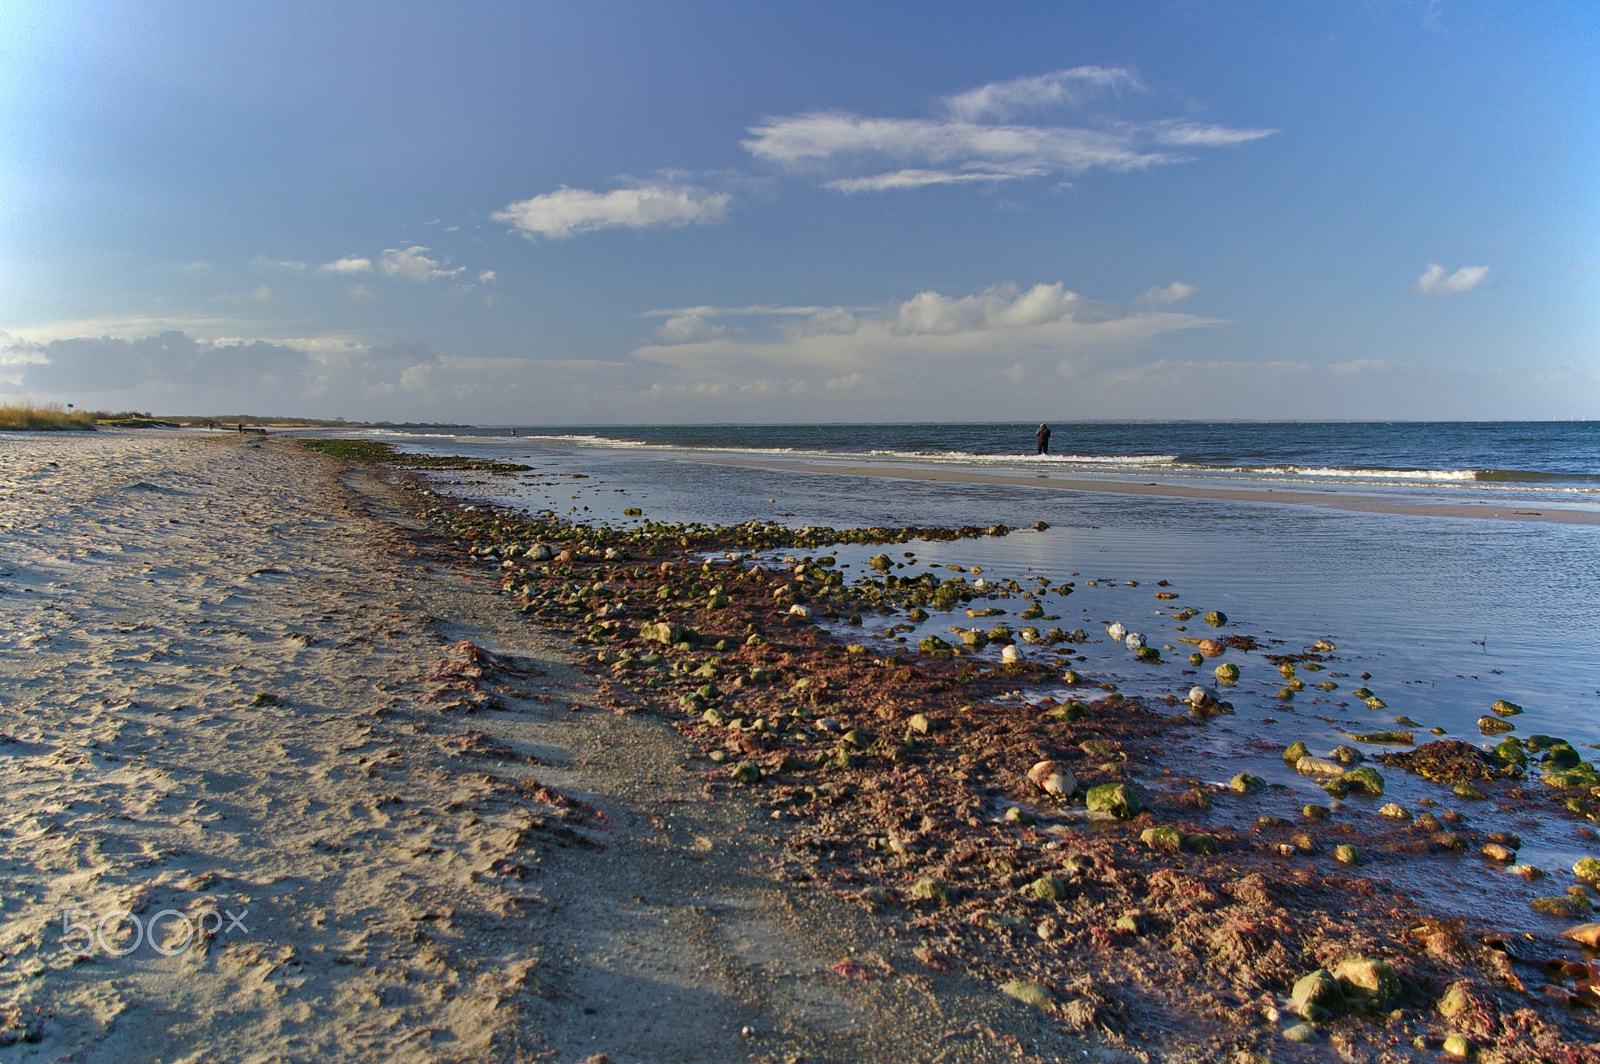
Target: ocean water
1549,460
1442,614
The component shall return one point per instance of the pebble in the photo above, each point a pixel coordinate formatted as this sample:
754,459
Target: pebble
1302,1033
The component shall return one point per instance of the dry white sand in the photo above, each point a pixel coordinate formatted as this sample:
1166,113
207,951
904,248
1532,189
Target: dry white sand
233,697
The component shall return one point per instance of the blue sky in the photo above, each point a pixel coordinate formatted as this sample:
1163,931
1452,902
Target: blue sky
626,212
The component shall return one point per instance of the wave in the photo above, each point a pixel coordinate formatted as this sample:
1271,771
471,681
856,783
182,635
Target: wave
1367,472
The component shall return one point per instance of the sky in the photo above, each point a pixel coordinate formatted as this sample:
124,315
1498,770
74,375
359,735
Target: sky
607,213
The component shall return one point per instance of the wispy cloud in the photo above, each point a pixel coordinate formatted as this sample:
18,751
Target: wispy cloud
1436,280
568,212
1005,99
973,142
259,294
754,310
348,264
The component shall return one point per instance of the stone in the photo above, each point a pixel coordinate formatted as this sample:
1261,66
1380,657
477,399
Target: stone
1371,982
1128,924
1584,935
1118,799
1031,994
1133,641
1569,906
1211,648
1587,869
1010,654
1496,852
662,632
1495,726
1228,673
1458,1046
1244,783
1200,842
1162,840
1302,1033
1347,853
746,773
1216,618
1320,767
929,889
1347,755
1019,816
1395,811
1046,888
1054,778
1319,990
921,723
1295,752
1502,708
1457,999
1116,631
1365,780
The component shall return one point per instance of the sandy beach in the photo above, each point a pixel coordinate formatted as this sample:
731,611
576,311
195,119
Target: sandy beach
304,762
236,706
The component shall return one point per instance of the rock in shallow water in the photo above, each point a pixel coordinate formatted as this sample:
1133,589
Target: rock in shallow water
1118,799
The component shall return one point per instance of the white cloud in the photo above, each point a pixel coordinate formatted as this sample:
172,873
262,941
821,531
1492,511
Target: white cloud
915,340
690,329
999,307
411,264
1003,99
568,212
1435,280
1171,293
349,264
972,144
485,276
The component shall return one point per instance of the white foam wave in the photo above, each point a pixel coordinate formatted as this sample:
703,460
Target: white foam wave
1455,475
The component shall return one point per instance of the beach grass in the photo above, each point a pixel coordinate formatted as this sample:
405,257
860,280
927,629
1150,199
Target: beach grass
31,417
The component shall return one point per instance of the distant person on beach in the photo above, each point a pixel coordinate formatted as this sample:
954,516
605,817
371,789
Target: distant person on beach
1044,440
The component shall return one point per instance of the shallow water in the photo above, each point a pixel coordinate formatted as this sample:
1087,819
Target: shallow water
1445,614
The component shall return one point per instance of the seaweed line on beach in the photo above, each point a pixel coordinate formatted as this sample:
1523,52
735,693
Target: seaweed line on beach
1045,847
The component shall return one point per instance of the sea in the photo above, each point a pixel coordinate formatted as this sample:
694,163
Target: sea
1435,609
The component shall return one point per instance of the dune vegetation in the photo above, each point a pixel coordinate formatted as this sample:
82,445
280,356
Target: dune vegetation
49,418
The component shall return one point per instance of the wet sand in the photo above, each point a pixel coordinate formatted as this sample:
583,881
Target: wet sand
1331,499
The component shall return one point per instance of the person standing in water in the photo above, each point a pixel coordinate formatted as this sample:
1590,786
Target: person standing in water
1044,440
